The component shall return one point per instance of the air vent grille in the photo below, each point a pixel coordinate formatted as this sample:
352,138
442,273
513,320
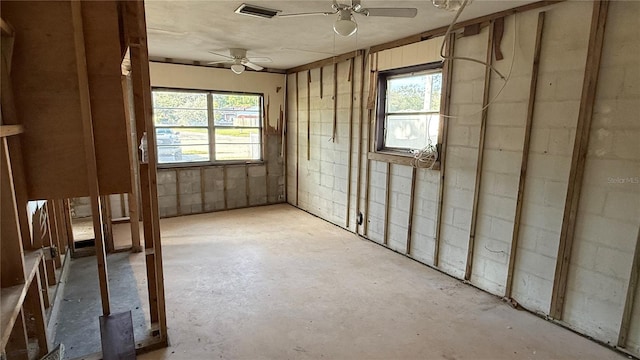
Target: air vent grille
257,11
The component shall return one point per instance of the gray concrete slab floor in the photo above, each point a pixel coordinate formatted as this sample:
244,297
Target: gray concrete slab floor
277,283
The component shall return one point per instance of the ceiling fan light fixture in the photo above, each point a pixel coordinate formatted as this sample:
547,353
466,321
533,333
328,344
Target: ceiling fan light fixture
237,68
345,26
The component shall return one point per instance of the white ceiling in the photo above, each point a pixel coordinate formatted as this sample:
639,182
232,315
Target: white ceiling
187,30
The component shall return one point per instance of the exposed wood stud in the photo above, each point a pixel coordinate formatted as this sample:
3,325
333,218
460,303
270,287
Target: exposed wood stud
350,144
363,64
334,134
443,134
483,131
370,134
308,115
202,189
498,32
412,192
17,344
132,196
297,137
34,308
321,83
90,154
123,208
578,160
178,202
470,30
387,191
525,155
224,180
247,188
634,278
320,63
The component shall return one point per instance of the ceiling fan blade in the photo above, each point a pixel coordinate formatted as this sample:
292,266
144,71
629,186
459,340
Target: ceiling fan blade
221,55
390,12
251,65
307,14
218,62
259,59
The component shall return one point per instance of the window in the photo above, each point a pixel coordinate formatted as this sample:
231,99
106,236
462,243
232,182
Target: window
409,108
205,126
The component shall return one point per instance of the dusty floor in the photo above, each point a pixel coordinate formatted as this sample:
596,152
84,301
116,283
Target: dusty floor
277,283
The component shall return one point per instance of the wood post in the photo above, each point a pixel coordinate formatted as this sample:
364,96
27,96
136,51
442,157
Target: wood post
386,205
132,196
363,65
34,309
445,107
414,175
90,154
350,143
334,134
17,346
297,136
483,131
525,155
579,158
308,114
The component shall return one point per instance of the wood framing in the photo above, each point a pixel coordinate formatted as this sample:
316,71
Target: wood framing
634,278
297,137
12,255
387,204
483,131
324,62
132,197
579,158
414,175
525,154
350,142
443,134
460,25
10,130
363,65
308,114
334,132
90,155
370,137
178,202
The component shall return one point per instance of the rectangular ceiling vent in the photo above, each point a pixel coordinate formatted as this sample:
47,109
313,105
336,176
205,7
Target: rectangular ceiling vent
257,11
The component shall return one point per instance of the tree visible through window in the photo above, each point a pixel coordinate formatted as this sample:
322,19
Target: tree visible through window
409,108
198,126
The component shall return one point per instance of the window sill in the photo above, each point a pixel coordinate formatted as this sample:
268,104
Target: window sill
196,165
395,158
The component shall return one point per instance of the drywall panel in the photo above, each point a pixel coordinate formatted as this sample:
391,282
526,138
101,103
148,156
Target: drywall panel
609,211
563,54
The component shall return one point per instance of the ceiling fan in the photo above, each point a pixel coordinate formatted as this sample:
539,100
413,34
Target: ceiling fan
345,25
239,60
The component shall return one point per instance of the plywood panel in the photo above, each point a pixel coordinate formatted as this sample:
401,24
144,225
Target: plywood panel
46,98
102,44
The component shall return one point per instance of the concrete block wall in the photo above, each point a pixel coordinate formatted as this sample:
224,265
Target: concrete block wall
609,209
552,134
608,216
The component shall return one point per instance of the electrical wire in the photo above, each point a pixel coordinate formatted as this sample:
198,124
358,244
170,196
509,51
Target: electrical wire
451,58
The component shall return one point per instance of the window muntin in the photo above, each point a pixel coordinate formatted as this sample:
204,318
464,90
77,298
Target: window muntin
409,109
204,126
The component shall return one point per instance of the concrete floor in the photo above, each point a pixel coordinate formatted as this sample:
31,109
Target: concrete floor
277,283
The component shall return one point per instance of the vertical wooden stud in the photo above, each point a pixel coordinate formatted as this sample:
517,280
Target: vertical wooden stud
17,345
483,131
414,175
350,143
308,115
34,309
445,106
579,158
132,198
334,134
297,137
360,135
525,155
386,204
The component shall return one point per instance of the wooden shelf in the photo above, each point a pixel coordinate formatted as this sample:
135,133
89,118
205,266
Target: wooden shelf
11,298
10,130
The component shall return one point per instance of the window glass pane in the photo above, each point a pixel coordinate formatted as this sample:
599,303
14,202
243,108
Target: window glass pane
236,144
415,93
411,131
236,110
182,153
179,108
182,144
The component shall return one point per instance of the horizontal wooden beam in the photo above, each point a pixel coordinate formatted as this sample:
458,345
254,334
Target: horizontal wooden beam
442,30
396,159
10,130
325,62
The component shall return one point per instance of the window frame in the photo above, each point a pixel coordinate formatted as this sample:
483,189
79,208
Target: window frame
381,112
211,127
